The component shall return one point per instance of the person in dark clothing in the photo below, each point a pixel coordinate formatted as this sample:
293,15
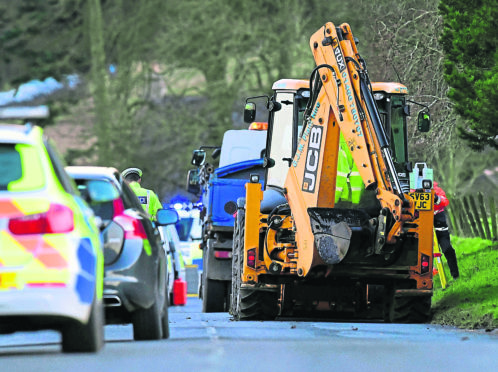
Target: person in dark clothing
442,233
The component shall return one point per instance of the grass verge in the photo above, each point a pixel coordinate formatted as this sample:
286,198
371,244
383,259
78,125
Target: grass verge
471,301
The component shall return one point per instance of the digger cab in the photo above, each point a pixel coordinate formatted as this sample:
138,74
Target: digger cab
286,108
394,108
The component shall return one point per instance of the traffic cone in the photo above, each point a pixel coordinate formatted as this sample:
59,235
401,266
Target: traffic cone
179,292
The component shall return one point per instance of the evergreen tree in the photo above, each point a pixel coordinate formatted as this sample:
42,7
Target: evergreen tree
470,41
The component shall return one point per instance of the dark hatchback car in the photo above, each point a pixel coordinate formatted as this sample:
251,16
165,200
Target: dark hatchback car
135,264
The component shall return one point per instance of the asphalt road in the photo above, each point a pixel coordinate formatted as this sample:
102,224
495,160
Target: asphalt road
213,342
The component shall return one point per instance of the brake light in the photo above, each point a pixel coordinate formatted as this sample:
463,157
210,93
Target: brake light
58,219
223,254
425,264
132,226
251,258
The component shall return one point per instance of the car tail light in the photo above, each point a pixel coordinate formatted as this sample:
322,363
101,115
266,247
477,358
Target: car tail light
223,254
58,219
424,259
251,258
437,254
133,228
113,242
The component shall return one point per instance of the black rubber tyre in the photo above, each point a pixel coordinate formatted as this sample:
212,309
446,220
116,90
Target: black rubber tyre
248,304
165,318
236,265
228,294
213,292
410,309
147,323
85,338
213,295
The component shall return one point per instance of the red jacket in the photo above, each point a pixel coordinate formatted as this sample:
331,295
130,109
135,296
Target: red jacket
443,200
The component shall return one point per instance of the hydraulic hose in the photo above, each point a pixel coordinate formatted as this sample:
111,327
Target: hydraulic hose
380,133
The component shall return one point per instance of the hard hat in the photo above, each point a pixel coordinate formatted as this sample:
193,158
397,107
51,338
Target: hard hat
128,171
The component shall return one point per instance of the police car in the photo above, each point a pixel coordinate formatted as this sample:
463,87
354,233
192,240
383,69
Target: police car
51,261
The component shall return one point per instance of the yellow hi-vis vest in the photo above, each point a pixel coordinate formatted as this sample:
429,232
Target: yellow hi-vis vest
148,198
349,184
341,183
356,184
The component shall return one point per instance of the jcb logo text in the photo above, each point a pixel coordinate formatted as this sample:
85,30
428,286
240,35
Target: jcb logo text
312,158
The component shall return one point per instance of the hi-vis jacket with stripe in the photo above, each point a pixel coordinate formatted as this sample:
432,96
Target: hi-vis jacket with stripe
148,198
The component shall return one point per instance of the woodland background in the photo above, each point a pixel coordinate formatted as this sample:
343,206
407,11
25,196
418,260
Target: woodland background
158,78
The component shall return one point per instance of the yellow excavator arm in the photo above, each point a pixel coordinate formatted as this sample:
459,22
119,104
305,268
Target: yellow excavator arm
341,102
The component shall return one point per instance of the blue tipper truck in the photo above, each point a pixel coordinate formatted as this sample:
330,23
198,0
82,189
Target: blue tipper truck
241,154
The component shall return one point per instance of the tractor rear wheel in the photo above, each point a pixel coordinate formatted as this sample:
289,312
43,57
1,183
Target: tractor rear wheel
248,303
408,309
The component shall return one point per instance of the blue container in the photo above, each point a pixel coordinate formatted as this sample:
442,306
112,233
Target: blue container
226,185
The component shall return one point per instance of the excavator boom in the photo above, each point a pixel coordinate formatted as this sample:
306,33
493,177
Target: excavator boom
341,102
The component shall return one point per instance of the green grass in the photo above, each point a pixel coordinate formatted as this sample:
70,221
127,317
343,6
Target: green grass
471,301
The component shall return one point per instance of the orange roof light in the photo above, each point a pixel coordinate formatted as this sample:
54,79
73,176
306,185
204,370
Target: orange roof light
258,125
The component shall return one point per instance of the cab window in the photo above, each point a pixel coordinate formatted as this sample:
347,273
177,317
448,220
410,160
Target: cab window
398,130
281,140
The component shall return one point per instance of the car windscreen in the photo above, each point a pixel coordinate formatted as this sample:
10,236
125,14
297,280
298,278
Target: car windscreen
21,168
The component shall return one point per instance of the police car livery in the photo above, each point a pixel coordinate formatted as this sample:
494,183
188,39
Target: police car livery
51,262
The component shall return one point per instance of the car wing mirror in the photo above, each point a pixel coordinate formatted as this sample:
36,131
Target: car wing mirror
166,217
423,121
249,112
216,153
193,185
198,157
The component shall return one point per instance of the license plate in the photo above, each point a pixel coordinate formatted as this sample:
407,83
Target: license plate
423,200
7,280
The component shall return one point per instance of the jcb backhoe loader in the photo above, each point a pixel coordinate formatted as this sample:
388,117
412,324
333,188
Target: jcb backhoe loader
298,252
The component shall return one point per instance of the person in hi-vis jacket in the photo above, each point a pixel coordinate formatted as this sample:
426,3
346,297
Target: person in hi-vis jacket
148,198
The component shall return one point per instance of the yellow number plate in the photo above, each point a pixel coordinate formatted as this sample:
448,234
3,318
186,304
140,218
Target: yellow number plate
7,280
423,200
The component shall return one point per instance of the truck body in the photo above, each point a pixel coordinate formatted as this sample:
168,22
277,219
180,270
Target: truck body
300,248
240,156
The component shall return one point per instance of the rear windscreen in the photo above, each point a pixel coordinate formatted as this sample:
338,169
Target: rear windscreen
20,168
10,165
104,210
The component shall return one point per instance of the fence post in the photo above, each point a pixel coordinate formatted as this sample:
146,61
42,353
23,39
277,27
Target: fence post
464,221
455,211
492,210
472,222
477,217
484,215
